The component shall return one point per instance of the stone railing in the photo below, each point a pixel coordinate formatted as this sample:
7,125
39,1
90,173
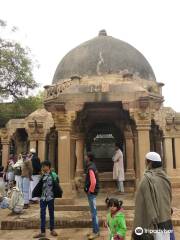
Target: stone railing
54,91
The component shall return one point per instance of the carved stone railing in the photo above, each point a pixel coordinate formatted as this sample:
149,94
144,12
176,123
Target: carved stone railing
54,91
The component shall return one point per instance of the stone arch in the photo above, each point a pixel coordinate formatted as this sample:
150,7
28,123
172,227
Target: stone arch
19,142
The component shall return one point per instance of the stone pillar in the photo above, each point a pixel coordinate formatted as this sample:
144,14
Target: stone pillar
129,154
64,157
41,149
52,152
159,145
79,156
143,146
5,152
32,144
168,154
177,152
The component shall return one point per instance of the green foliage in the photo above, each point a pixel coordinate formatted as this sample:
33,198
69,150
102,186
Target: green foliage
20,108
16,77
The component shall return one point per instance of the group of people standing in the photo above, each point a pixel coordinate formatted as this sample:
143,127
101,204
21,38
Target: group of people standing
29,180
25,172
152,216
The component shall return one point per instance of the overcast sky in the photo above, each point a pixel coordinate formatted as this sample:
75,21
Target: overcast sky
51,28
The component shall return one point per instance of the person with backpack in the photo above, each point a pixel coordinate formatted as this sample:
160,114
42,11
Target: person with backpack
47,190
92,188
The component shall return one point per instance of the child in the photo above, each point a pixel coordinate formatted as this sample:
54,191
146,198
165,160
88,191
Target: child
47,189
115,219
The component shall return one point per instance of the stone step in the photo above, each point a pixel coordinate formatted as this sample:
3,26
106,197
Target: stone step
20,225
63,219
86,207
83,223
67,219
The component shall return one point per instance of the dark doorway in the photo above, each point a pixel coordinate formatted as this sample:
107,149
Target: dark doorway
101,139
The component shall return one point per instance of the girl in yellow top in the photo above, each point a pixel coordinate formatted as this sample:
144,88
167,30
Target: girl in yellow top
116,223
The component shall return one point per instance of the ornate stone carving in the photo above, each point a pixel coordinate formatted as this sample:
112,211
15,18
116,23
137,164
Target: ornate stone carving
4,134
64,120
55,90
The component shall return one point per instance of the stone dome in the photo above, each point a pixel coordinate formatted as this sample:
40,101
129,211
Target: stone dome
103,55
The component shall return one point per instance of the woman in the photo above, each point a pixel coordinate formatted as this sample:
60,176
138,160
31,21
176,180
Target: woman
118,168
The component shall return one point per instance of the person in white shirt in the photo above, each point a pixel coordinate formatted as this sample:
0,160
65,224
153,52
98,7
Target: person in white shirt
118,168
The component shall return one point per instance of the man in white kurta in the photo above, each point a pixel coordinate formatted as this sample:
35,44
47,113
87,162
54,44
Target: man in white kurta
118,168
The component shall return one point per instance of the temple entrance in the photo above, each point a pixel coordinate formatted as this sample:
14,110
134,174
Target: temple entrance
101,140
104,124
19,142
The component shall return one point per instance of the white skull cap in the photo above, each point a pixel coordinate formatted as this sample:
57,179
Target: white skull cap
32,150
153,156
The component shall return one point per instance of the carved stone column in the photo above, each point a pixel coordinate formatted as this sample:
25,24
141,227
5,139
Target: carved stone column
64,157
32,144
143,146
51,155
41,149
168,154
129,153
79,155
64,126
5,151
177,152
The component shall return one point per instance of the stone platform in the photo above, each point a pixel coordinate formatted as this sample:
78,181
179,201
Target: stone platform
70,218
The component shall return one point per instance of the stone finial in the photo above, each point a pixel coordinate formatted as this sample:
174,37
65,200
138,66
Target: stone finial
102,32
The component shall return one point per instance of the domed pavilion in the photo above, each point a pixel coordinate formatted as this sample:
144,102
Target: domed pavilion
103,92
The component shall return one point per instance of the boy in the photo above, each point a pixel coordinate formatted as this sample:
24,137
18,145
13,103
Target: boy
47,189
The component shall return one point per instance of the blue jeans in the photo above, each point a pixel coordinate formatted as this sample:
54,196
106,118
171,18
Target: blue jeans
43,205
92,205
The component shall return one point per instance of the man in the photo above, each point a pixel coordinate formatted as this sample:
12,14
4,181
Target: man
92,188
36,173
47,189
26,173
118,168
153,201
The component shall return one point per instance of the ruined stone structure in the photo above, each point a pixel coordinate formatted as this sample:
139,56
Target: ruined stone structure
103,91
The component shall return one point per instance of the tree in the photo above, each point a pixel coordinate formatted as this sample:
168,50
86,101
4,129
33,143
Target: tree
20,108
16,77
